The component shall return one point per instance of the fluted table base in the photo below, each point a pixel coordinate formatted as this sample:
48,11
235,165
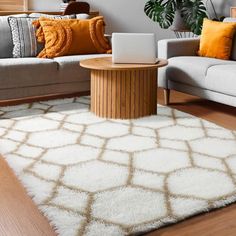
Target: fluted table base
124,94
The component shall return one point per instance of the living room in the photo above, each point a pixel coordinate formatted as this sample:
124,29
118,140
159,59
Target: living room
117,117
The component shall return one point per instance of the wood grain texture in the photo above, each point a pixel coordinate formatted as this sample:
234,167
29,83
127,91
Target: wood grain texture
20,217
105,63
14,5
233,12
124,94
217,223
166,96
122,91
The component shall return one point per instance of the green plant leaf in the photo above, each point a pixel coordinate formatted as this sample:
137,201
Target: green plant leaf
193,12
161,11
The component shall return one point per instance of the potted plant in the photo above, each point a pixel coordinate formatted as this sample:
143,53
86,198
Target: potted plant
180,14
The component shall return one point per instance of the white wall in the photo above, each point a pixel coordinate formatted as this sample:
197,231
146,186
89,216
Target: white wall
120,15
222,6
127,15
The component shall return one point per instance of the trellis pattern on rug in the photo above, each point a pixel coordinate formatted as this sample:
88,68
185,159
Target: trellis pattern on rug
95,176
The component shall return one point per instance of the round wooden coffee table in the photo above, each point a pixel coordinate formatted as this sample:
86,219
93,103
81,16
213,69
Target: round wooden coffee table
123,91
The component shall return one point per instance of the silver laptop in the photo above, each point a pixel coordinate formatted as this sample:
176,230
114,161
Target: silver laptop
134,48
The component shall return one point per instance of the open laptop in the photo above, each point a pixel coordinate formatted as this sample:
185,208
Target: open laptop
134,48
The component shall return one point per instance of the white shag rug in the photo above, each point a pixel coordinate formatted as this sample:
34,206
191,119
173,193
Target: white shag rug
97,177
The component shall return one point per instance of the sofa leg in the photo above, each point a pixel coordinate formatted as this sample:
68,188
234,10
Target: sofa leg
167,96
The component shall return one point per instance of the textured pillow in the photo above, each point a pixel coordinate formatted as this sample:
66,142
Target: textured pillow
24,38
233,52
6,45
70,37
216,39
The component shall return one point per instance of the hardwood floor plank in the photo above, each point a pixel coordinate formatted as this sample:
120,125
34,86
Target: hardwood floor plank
217,113
220,222
18,214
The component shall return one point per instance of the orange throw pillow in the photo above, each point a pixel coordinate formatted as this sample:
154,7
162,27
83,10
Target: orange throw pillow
71,36
216,39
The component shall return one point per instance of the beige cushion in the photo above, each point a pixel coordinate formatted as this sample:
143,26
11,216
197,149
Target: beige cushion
222,78
69,68
24,72
192,70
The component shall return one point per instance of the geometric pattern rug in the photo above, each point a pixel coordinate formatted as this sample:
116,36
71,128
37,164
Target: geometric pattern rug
92,176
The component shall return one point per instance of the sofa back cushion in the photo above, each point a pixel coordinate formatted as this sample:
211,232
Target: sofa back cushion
233,54
23,37
6,45
216,39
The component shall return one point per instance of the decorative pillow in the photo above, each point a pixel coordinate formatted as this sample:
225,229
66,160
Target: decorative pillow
70,37
233,51
24,38
216,39
38,15
6,45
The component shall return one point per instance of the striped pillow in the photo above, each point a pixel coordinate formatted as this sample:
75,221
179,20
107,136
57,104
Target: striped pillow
6,45
24,38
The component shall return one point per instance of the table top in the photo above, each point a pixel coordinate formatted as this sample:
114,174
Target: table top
105,63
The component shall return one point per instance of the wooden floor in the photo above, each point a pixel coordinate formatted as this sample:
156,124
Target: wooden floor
20,217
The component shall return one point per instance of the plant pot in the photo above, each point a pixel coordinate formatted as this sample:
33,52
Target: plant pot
178,23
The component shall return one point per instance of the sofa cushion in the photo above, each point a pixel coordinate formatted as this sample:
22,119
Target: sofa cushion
69,67
23,37
6,45
24,72
79,37
216,39
222,78
192,70
233,53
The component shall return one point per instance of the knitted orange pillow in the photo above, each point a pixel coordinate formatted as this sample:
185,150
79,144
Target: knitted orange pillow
71,36
216,39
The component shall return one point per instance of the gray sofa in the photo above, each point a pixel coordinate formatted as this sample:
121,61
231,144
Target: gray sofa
22,78
208,78
33,77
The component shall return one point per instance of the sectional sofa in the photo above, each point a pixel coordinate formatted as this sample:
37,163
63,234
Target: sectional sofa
209,78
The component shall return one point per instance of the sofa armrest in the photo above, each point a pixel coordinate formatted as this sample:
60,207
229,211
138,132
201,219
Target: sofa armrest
168,48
